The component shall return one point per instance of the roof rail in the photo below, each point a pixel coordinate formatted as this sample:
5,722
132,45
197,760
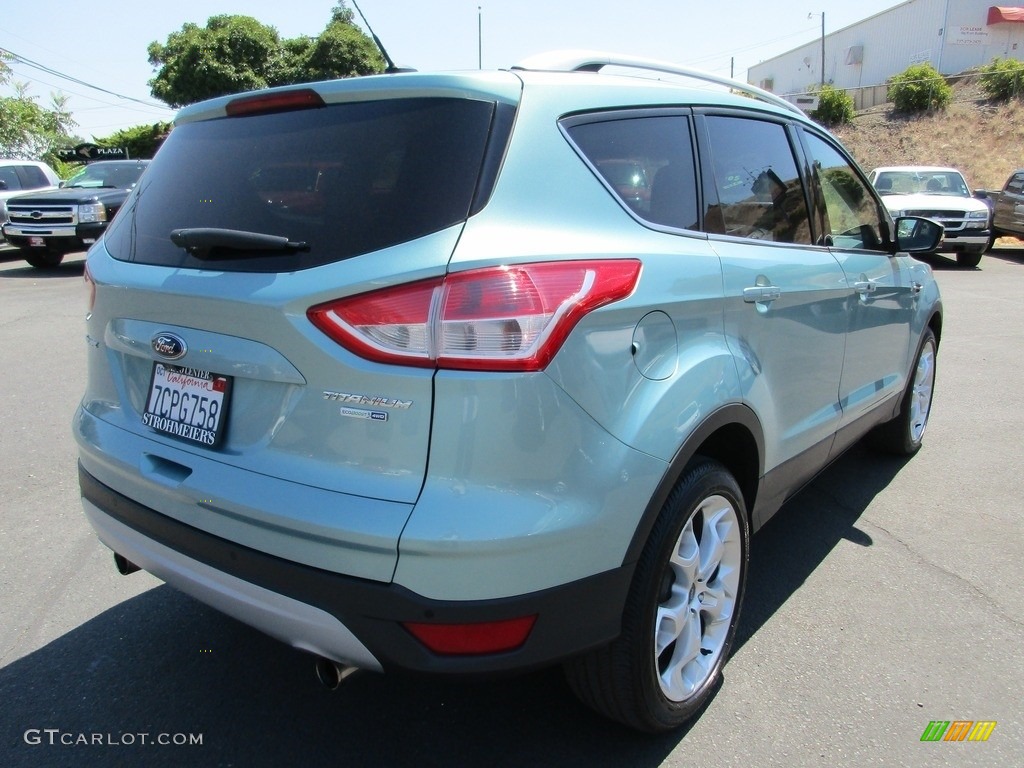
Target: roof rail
594,61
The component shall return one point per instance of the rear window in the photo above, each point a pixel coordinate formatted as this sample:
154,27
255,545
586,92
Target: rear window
344,180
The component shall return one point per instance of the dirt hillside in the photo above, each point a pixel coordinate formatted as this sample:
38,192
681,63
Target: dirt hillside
984,141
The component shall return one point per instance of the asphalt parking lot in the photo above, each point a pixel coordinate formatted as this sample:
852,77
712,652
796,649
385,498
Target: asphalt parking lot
886,596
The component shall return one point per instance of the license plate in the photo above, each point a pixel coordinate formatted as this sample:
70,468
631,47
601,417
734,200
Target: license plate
188,403
37,242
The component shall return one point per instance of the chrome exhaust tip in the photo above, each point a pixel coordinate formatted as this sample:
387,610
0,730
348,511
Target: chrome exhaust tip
332,673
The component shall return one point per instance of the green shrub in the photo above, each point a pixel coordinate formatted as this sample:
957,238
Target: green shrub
835,106
919,87
1003,79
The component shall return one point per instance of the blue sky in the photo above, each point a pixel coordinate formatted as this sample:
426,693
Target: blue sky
104,44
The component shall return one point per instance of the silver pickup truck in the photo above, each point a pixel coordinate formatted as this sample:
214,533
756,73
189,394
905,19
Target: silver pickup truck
1008,207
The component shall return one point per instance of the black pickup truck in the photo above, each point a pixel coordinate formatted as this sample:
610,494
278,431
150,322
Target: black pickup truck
1007,206
45,226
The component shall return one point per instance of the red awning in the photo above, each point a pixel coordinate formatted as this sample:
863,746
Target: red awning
998,14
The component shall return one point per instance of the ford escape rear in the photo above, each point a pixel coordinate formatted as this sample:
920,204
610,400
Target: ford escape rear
407,372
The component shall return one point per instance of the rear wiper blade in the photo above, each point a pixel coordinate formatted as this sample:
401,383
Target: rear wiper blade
213,242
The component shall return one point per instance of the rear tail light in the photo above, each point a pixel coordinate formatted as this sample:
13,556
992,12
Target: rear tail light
511,318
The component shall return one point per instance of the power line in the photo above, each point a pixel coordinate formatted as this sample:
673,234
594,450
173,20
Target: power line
103,104
745,49
50,71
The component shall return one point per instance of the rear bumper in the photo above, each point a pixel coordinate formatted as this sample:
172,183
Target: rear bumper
341,617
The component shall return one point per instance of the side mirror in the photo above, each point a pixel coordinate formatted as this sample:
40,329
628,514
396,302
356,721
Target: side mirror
917,235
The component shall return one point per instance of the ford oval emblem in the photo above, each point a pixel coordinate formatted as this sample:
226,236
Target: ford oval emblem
169,346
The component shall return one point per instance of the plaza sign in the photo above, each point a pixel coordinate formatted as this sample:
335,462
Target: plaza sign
84,153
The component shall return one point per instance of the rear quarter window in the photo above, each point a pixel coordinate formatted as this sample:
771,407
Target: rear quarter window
647,163
346,179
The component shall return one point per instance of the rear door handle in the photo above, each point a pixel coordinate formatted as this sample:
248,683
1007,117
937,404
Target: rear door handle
864,287
761,293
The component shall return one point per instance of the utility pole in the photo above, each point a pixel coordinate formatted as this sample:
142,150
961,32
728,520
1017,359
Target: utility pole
479,38
822,14
823,50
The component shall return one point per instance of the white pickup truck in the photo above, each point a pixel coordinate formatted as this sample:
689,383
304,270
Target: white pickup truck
940,194
20,176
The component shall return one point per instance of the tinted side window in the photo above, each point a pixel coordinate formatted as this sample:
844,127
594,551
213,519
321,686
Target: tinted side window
1016,183
851,215
759,190
648,163
32,177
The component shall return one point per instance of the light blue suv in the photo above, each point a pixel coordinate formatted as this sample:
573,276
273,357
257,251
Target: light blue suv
407,372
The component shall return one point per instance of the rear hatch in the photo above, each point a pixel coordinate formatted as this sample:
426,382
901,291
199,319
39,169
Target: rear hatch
256,209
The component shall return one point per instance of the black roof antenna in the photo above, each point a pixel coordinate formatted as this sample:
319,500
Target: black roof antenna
391,69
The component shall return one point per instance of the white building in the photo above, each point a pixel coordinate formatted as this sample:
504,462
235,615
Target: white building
953,35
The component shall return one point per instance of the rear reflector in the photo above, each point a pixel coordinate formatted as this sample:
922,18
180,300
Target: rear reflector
473,639
512,318
90,287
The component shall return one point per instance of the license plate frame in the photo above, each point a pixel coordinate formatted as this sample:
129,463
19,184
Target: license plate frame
35,241
189,404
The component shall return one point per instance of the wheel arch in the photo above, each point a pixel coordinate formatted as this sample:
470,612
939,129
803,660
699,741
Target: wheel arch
733,437
935,323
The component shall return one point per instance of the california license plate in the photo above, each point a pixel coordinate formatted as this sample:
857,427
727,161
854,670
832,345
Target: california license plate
36,242
188,403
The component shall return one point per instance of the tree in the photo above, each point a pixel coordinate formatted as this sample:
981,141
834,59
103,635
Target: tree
29,131
234,53
342,50
142,141
230,54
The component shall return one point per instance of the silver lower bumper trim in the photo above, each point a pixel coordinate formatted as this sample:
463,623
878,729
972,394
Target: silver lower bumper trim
299,625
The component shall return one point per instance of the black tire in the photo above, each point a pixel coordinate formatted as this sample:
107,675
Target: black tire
42,259
622,680
969,259
903,435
